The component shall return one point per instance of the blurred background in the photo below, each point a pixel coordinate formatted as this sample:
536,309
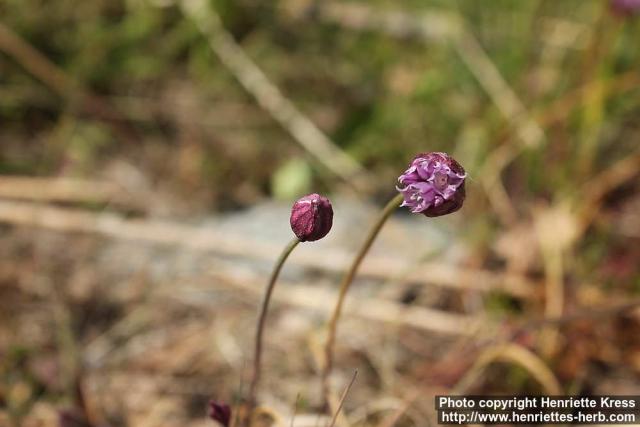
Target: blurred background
150,151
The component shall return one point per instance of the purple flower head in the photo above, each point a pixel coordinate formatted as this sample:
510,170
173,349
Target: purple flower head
311,217
433,185
625,7
220,412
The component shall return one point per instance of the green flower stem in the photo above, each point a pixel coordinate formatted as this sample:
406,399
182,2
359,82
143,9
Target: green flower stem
262,318
344,287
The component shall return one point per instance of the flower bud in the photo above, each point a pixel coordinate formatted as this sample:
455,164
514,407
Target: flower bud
220,412
311,217
433,185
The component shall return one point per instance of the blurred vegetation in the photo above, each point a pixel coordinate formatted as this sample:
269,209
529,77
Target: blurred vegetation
379,99
190,125
180,118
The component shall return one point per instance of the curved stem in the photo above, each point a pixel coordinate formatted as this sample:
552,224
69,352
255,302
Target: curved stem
255,379
344,287
510,353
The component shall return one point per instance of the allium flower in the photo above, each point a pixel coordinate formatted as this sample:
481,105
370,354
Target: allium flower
625,7
220,412
311,217
433,185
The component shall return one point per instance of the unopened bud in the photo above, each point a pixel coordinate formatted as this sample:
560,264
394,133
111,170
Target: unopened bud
311,217
220,412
